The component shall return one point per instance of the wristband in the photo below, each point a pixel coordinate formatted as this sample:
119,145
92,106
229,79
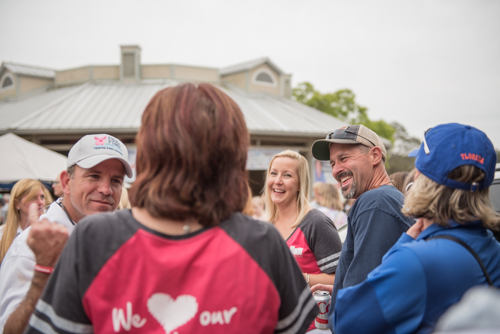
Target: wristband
42,269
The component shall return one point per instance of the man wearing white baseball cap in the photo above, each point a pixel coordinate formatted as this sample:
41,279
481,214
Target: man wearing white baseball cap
97,165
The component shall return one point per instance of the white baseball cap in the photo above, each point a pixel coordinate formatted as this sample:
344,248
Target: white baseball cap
91,150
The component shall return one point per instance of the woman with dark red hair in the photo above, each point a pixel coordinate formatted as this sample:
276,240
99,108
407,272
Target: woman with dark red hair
184,259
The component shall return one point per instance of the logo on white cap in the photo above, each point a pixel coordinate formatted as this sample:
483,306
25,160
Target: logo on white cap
91,150
112,143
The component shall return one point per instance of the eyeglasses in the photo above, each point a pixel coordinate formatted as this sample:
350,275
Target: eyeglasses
56,183
426,147
342,134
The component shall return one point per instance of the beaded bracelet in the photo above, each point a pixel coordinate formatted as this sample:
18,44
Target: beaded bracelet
42,269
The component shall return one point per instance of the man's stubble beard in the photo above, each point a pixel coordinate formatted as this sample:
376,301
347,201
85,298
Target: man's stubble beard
347,194
350,194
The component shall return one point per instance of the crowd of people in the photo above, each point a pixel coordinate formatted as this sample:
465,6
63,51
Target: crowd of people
188,249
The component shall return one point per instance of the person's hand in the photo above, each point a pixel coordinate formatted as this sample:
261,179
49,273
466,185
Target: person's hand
416,228
322,287
45,239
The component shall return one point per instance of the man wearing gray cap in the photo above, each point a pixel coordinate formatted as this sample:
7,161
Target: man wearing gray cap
357,157
97,165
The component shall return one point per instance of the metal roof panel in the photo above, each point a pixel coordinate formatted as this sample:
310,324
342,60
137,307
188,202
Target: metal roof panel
30,70
13,111
115,105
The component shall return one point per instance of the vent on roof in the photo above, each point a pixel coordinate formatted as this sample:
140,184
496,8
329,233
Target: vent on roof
128,65
131,62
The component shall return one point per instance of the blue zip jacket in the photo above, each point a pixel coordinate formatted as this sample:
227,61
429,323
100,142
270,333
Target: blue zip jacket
417,281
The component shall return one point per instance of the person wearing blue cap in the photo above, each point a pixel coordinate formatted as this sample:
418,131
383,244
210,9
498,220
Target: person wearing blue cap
446,252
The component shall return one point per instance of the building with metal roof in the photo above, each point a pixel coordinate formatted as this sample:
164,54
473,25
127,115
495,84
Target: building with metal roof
111,99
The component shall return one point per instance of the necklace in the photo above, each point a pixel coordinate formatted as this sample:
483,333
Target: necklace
65,211
186,228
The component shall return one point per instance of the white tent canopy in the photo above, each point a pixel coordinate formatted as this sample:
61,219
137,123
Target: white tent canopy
20,159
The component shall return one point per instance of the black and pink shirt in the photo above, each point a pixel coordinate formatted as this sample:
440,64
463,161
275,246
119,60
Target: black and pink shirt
117,276
315,244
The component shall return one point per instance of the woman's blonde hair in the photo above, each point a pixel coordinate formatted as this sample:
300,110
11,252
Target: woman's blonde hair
440,203
124,200
329,196
25,188
302,196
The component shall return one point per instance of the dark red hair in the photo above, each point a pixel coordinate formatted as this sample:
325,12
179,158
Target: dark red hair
191,155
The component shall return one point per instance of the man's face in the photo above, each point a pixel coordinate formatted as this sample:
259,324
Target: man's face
93,190
57,187
352,168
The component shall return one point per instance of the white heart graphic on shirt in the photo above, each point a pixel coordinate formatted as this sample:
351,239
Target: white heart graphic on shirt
170,313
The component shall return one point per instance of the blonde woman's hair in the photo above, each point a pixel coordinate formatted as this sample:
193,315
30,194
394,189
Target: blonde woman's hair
48,196
124,200
303,195
25,188
329,196
440,203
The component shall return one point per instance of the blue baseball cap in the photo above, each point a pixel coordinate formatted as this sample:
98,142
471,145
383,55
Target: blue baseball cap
448,146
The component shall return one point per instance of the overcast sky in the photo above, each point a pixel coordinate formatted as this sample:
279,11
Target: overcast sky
418,62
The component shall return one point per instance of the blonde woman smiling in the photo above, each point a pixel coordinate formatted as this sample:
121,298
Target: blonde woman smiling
310,235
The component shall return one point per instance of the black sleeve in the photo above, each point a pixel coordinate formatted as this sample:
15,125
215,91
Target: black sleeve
324,241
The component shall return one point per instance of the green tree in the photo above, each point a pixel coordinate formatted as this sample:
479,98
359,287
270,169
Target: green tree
342,105
404,143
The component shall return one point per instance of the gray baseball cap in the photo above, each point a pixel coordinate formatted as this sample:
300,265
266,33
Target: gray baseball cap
91,150
352,134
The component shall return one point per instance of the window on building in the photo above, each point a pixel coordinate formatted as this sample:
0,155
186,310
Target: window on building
7,82
264,77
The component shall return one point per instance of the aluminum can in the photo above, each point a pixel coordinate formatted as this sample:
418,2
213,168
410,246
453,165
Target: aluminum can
323,300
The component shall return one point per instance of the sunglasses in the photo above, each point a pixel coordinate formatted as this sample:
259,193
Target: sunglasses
408,186
342,134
